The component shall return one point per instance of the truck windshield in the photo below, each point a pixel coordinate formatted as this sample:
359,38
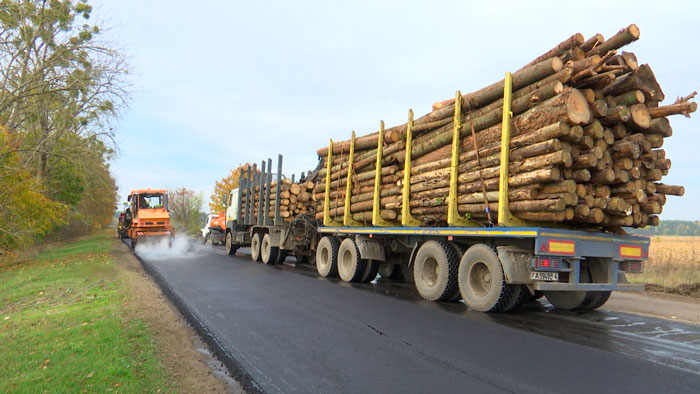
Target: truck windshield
151,200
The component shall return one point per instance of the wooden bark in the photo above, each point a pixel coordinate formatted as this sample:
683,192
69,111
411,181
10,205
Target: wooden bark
571,42
622,38
673,109
630,98
642,79
670,189
592,42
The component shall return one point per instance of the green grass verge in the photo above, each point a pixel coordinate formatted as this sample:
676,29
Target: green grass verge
65,326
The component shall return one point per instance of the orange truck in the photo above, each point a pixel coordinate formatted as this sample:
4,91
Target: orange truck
215,229
146,217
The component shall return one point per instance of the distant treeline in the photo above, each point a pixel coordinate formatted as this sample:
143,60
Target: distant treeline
672,227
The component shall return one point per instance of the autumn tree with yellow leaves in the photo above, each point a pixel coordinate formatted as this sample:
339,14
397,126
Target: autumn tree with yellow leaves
223,187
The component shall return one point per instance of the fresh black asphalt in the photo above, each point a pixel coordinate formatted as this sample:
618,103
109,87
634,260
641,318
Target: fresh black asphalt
289,333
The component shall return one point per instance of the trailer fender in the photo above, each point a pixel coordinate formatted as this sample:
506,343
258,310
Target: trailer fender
412,257
515,263
275,236
369,249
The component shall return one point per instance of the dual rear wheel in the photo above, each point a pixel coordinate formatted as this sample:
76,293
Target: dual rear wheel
261,249
444,271
343,259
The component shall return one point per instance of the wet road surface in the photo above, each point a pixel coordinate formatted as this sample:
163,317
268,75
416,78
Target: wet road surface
292,331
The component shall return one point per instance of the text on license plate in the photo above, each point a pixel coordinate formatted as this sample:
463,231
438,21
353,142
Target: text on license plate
544,276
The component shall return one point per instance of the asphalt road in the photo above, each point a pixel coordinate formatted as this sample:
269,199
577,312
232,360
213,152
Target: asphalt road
292,331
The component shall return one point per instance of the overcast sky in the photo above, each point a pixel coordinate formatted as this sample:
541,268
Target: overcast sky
221,83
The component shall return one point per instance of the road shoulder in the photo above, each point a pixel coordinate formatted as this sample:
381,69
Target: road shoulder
660,305
183,354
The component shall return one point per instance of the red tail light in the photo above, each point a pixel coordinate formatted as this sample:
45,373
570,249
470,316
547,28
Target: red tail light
548,263
632,267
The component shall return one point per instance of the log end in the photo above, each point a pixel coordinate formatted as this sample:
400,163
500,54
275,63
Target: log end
577,107
633,30
557,64
640,115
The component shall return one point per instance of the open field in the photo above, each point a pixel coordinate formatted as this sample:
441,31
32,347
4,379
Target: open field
673,265
65,325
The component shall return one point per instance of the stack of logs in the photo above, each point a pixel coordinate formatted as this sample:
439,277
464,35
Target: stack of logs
586,134
295,198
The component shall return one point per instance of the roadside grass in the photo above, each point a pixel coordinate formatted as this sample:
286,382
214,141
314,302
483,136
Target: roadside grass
65,326
673,265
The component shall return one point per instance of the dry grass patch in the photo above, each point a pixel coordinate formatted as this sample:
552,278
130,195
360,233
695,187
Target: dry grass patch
673,265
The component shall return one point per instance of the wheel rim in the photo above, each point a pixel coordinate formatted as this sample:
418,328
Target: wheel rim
429,271
255,247
228,242
325,257
265,249
480,278
345,262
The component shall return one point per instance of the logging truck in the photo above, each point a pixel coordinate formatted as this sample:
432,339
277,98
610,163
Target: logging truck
470,210
493,269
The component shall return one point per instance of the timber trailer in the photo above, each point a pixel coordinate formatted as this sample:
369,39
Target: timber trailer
491,268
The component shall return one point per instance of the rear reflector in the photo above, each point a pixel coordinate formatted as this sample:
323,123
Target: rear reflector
630,252
561,247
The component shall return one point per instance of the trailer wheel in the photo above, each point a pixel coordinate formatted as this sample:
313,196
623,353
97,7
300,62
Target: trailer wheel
327,256
370,272
230,247
268,253
481,280
281,256
519,293
390,271
133,244
570,300
598,274
350,265
435,271
407,273
255,247
459,250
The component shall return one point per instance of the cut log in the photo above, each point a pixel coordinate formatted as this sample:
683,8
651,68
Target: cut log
673,109
642,79
622,38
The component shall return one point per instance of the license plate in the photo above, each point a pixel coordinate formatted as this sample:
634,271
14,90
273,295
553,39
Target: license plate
550,276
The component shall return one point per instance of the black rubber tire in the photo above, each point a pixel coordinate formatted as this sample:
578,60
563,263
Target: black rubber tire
268,253
281,256
519,293
133,244
390,271
435,271
255,244
371,270
231,248
570,300
351,266
532,297
407,273
595,299
327,256
598,272
459,250
481,280
204,240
